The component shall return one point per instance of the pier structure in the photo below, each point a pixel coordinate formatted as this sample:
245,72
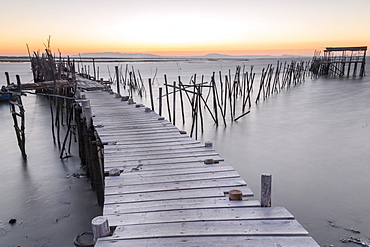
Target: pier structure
340,61
161,188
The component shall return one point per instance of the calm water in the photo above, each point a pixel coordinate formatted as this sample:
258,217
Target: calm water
50,208
313,139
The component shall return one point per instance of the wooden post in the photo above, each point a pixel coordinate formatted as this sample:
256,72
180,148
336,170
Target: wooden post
160,102
95,77
117,77
181,101
88,115
174,104
168,102
266,181
151,94
235,195
208,144
100,227
7,78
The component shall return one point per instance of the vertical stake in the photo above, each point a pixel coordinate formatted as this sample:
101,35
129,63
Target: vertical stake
266,181
160,102
151,94
117,77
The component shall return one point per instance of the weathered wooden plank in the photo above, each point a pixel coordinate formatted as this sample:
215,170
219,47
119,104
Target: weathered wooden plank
161,156
195,215
217,241
115,124
129,122
211,228
153,145
173,170
185,185
175,194
138,180
165,151
137,166
144,129
185,159
144,133
122,140
176,204
160,148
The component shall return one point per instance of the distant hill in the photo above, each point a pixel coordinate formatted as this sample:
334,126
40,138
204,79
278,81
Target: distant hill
217,55
116,55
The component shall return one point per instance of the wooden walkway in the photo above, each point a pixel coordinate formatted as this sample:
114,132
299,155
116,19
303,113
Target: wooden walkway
166,194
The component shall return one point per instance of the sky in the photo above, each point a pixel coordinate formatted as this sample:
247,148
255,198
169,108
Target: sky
183,27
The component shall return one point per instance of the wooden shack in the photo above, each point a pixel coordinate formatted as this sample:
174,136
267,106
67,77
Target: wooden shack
340,61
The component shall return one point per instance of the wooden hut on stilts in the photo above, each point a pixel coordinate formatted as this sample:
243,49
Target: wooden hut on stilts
340,61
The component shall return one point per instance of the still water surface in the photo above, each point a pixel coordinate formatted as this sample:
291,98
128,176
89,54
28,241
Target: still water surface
313,138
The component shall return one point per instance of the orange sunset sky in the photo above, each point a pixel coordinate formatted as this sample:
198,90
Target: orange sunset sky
183,27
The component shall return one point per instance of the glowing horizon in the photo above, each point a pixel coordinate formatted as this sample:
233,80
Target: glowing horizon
192,27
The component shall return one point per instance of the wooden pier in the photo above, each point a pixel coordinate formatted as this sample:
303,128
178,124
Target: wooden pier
340,61
168,189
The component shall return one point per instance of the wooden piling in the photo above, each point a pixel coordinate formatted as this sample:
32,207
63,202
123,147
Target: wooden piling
100,227
266,182
174,104
160,101
117,79
167,99
151,94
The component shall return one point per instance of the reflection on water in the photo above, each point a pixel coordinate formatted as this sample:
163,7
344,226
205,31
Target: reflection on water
313,139
50,209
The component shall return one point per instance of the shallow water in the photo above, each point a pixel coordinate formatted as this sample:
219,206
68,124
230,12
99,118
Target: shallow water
50,209
313,139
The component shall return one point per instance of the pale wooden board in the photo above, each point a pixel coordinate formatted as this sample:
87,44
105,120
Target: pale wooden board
217,241
131,131
176,194
108,123
195,215
211,228
121,140
184,159
169,155
140,167
131,181
189,142
186,185
142,133
143,173
141,138
114,122
176,204
158,152
160,148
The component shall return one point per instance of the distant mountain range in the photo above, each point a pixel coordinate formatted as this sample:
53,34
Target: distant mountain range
147,55
116,55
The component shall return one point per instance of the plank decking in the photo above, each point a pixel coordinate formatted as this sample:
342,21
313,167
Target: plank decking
166,194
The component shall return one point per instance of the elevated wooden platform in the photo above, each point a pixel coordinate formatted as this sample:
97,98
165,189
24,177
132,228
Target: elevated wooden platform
167,196
340,61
